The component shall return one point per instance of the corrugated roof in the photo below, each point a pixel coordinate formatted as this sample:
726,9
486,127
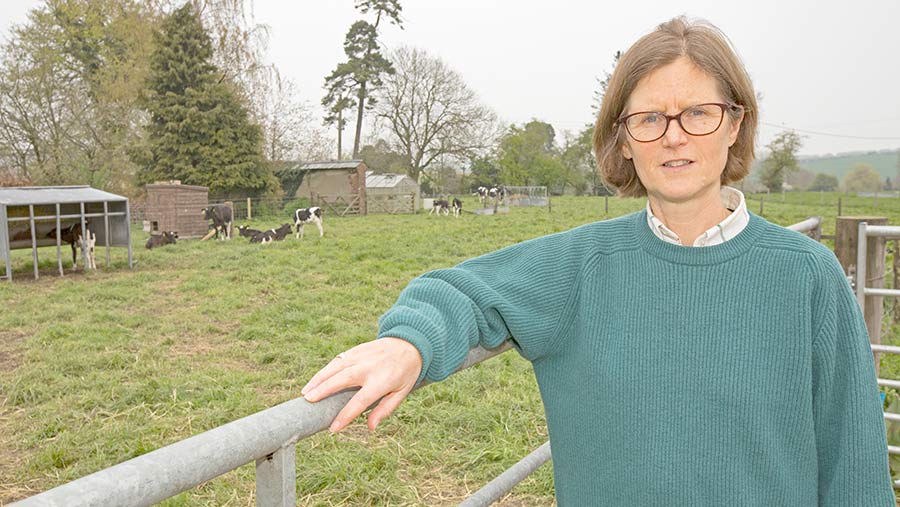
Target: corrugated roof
331,164
13,196
386,180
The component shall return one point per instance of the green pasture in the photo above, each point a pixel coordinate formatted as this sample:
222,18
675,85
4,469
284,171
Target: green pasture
100,367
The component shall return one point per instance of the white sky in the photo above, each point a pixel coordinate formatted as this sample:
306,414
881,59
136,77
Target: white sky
826,66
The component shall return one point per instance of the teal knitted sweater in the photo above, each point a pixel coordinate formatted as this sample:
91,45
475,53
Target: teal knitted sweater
736,374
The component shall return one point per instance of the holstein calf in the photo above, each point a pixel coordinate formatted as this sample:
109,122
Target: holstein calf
247,232
70,234
440,206
272,235
90,239
498,193
457,207
222,219
304,216
157,240
482,193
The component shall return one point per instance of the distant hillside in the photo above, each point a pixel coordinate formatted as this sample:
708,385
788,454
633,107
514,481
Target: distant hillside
885,162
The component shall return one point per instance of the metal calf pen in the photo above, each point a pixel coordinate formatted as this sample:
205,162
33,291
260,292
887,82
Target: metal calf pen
30,215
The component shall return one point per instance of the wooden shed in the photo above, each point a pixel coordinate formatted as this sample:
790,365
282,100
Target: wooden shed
172,206
338,186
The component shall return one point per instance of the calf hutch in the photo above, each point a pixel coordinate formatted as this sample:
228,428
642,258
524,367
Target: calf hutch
174,207
338,187
32,217
391,193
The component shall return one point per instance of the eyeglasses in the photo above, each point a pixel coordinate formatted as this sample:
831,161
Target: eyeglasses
699,120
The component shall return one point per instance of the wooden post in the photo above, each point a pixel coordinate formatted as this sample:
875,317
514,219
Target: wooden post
249,209
839,207
606,204
761,198
845,246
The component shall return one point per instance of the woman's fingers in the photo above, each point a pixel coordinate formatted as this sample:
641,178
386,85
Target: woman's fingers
336,365
386,407
342,379
357,404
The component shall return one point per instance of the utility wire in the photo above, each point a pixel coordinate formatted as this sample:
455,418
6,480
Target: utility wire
832,135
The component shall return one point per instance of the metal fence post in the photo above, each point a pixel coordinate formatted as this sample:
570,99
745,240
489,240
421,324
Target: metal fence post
276,479
861,266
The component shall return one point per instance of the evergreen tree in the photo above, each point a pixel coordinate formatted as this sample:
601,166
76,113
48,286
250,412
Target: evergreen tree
362,73
199,132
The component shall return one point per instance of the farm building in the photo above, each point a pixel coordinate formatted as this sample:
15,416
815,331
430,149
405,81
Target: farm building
172,206
391,193
337,186
32,217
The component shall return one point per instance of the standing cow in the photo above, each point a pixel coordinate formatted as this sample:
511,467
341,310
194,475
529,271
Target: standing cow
222,219
440,206
70,234
456,205
304,216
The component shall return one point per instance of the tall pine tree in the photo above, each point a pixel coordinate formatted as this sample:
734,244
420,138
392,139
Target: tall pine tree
199,132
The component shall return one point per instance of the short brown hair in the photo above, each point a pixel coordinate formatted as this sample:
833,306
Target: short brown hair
707,48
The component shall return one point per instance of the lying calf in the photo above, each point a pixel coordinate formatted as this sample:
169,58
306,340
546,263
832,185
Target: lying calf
247,232
166,238
272,235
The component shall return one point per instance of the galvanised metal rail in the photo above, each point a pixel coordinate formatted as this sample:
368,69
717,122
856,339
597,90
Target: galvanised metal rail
268,438
887,232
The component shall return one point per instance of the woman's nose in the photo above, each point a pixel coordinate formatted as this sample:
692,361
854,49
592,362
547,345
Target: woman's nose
675,135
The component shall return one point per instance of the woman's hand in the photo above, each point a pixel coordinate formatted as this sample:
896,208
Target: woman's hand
386,368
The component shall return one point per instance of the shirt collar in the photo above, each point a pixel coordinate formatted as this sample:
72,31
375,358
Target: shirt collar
728,228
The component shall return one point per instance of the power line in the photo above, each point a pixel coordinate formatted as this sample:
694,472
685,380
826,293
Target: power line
831,135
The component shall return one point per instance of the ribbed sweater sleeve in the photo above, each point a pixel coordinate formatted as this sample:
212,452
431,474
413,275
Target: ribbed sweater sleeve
520,291
849,426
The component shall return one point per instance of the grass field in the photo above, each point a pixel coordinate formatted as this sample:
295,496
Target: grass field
100,367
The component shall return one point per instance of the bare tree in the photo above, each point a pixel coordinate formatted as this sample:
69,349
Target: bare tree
431,113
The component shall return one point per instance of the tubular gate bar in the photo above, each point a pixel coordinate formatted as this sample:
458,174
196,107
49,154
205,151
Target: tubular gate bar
888,232
269,437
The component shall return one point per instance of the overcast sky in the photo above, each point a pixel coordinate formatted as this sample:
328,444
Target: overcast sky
825,67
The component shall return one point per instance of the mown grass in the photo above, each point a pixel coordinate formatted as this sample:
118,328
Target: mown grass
100,367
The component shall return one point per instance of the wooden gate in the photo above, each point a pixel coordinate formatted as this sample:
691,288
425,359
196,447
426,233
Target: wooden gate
340,205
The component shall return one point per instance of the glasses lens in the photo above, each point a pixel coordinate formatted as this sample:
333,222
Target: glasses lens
701,120
646,126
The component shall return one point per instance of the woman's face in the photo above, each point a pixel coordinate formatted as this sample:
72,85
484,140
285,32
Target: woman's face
679,167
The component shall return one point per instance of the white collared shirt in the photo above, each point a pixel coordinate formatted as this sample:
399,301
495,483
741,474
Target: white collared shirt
733,224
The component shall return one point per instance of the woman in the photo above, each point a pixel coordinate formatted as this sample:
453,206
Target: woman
688,354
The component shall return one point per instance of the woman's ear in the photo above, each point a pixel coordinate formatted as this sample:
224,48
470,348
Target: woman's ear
735,130
626,151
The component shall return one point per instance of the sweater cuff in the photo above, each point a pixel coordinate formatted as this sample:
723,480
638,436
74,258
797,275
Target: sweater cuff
417,339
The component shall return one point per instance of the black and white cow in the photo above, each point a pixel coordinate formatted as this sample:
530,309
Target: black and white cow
272,235
70,234
498,193
303,216
440,206
456,205
247,232
222,219
158,240
482,193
